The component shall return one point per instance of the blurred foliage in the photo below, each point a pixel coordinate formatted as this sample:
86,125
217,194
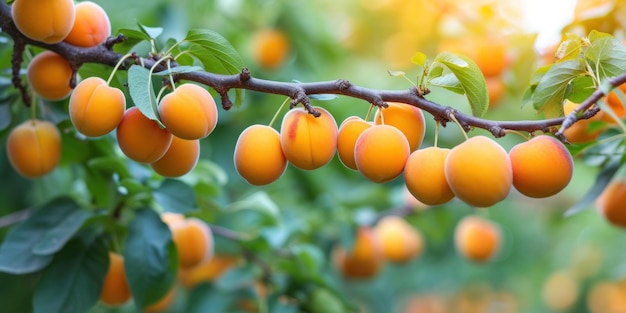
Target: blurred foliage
289,228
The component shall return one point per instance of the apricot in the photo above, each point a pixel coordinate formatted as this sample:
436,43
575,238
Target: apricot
91,26
208,271
616,105
49,76
47,21
115,289
349,131
400,241
407,118
425,178
479,171
164,303
192,237
381,152
258,156
308,142
606,297
96,108
560,291
496,89
364,260
491,56
270,48
179,159
611,201
542,166
140,138
477,239
34,148
581,132
189,112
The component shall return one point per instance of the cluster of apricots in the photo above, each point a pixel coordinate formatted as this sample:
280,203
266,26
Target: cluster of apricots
478,171
392,239
194,242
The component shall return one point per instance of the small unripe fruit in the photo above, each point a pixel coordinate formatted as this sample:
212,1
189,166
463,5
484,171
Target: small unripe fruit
258,156
49,75
47,21
349,131
96,108
611,203
192,237
425,178
541,167
581,131
477,239
179,159
308,142
406,118
115,289
400,241
189,112
479,171
560,291
140,138
34,148
91,26
381,152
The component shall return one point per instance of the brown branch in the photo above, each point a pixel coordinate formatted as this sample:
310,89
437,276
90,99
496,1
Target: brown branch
300,92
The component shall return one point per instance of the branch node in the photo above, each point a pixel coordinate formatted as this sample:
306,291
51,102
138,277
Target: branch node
343,84
111,41
245,75
226,103
497,131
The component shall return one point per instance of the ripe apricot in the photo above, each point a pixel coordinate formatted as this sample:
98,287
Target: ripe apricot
496,89
34,148
140,138
49,76
189,112
91,26
164,303
400,241
407,118
477,239
192,237
541,166
258,156
115,289
479,171
616,105
425,178
270,48
207,271
560,291
364,260
491,56
381,152
308,142
611,201
179,159
46,21
349,131
606,296
96,108
581,132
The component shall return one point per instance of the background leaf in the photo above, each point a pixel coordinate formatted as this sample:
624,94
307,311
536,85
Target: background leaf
550,92
607,55
150,258
471,79
175,196
54,239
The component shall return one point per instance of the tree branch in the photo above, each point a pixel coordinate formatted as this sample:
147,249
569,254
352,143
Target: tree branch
300,92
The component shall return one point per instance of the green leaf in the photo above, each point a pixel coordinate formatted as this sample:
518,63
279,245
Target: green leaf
151,32
607,55
322,300
418,58
238,277
449,82
179,70
570,48
309,257
216,54
323,97
54,239
109,165
258,202
133,37
150,258
141,91
73,281
471,79
16,252
175,196
581,88
550,92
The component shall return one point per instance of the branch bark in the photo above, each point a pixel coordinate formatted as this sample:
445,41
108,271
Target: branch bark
300,92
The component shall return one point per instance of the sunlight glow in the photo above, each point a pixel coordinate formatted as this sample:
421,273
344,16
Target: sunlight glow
547,18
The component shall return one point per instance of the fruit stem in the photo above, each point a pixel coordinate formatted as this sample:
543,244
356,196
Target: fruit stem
282,105
436,140
369,112
33,107
169,68
117,66
510,131
453,118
